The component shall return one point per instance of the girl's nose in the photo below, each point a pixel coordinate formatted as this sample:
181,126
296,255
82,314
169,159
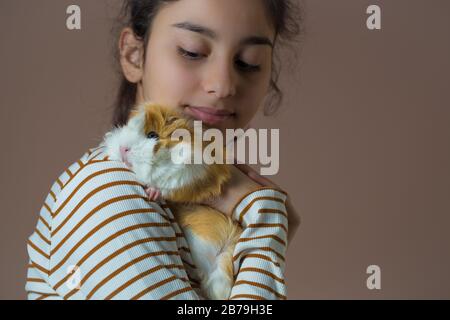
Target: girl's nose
221,83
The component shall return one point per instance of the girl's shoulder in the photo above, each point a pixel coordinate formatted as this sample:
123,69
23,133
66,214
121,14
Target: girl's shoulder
95,154
92,155
93,180
93,162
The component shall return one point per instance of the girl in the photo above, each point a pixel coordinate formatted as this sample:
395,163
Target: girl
97,237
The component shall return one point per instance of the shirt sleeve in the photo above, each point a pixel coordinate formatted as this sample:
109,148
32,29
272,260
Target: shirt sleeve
109,242
259,256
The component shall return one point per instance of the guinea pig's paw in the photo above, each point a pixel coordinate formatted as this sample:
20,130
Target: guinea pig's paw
153,193
219,285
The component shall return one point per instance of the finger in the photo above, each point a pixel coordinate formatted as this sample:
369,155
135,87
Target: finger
244,168
260,179
247,169
254,175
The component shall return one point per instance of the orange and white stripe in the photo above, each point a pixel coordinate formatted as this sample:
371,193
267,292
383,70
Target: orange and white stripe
98,237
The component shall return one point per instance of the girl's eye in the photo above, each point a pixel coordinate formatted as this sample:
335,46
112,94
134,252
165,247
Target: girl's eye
188,54
247,67
241,64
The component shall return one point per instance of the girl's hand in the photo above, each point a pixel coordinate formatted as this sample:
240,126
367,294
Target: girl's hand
293,216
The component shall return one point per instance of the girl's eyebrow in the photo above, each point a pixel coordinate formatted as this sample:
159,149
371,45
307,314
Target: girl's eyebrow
252,40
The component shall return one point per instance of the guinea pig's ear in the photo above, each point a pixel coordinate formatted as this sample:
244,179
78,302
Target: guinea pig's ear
136,119
171,119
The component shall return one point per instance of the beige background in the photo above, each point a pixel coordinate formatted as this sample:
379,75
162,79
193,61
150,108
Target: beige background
364,128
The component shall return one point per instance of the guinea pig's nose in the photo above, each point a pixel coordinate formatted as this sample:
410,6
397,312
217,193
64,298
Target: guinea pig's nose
124,150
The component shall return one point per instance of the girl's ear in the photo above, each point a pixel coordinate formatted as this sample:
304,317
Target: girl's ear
131,55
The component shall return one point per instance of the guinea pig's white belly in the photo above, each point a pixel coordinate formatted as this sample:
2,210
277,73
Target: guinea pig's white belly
215,280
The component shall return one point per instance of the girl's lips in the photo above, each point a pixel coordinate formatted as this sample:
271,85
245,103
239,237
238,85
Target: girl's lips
209,115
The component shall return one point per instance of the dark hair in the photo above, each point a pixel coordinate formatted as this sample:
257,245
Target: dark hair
286,16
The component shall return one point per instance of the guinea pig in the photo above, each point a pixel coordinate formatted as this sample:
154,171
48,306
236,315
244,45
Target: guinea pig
146,145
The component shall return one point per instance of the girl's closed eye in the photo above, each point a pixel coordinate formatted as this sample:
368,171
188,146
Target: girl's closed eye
188,54
196,56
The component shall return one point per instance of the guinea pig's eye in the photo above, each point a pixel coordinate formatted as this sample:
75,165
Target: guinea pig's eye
152,135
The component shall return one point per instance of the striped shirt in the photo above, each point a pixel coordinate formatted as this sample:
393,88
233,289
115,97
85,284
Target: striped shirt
99,237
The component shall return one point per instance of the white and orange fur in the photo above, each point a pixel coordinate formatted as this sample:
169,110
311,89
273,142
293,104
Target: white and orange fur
211,235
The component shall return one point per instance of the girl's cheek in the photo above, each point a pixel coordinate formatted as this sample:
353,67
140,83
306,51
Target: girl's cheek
183,77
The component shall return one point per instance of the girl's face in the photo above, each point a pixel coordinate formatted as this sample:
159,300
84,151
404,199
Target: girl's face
212,54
